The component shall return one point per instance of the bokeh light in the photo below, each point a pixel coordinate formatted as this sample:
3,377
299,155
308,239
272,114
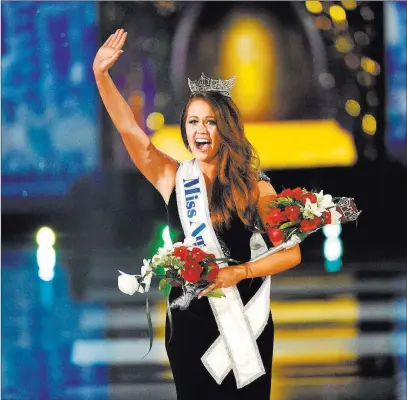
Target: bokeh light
322,22
369,124
155,121
352,107
332,249
370,66
327,80
352,60
45,237
166,236
364,78
361,38
332,230
343,44
367,13
349,4
372,99
249,51
337,14
314,7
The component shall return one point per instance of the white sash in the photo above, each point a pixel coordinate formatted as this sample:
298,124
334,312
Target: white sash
239,325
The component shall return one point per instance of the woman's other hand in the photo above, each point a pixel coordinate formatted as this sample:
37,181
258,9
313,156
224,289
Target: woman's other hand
227,276
110,51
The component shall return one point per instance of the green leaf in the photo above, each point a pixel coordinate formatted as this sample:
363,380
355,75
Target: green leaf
285,201
160,271
216,293
162,284
167,289
286,225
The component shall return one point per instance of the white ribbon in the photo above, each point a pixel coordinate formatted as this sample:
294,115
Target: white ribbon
239,325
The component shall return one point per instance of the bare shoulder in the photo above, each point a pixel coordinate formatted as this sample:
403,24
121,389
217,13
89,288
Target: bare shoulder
266,188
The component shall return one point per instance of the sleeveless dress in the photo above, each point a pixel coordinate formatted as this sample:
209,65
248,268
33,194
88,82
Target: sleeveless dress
195,329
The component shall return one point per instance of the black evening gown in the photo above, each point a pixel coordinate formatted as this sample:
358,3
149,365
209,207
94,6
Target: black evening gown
195,329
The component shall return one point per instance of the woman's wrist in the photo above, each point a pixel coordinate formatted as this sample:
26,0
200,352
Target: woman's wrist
243,271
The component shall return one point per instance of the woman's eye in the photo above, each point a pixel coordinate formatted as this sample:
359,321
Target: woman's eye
193,122
212,122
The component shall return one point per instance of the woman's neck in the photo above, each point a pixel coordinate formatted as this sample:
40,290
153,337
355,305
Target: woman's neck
209,170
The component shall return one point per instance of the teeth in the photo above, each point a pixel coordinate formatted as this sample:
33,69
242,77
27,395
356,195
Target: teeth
201,141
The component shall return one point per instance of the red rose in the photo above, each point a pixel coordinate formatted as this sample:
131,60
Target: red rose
327,218
191,276
292,213
310,196
192,271
181,252
275,217
308,225
276,235
197,254
285,193
296,193
213,273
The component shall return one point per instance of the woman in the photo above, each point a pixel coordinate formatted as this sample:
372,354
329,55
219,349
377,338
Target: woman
236,195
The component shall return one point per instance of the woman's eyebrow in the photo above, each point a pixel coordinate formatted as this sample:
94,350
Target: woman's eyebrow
194,116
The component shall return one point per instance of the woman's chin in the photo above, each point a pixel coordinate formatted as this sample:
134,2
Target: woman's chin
203,156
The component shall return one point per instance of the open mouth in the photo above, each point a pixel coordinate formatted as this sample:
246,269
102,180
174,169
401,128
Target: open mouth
202,144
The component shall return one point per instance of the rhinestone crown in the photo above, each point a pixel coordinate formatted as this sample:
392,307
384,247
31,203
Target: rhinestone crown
205,84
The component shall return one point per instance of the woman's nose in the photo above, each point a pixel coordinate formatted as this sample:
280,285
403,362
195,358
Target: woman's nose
201,128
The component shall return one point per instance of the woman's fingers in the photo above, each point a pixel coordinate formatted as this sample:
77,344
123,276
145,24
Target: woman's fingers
117,37
122,40
207,290
108,41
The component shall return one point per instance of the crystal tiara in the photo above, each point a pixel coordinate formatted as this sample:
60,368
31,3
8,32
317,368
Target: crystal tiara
205,84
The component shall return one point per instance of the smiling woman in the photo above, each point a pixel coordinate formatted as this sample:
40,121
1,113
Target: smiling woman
213,119
217,198
202,130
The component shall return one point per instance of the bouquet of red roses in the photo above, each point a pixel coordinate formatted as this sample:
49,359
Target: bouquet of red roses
181,264
301,212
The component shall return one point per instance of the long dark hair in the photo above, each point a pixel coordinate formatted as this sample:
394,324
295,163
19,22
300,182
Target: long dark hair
235,189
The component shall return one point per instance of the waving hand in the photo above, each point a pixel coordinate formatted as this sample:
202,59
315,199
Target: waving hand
110,51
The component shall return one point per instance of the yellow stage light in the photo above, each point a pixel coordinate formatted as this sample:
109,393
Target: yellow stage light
282,144
352,108
343,44
337,14
370,66
155,121
314,7
349,4
248,51
369,124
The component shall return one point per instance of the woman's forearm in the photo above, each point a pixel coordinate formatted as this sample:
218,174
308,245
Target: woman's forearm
272,264
117,107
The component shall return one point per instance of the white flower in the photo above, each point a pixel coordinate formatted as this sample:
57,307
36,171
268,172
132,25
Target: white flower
335,216
178,244
312,209
146,273
324,200
164,252
128,284
156,259
189,241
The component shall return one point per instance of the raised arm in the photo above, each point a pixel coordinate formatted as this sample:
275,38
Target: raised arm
156,166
